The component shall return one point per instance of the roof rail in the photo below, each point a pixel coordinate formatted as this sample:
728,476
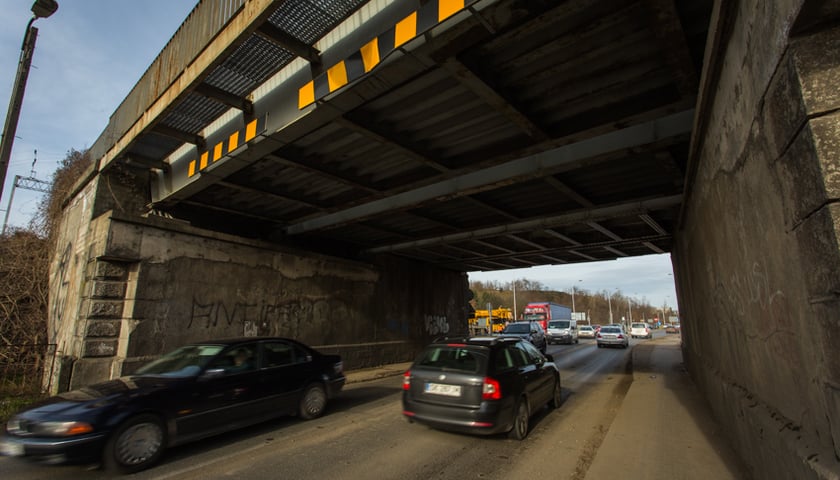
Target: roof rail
447,338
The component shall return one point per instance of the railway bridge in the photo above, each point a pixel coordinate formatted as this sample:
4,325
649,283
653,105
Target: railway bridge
331,169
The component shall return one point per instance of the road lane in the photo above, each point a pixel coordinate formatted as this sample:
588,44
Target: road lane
364,435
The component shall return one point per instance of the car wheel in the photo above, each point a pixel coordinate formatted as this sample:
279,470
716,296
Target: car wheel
136,445
558,395
520,421
313,402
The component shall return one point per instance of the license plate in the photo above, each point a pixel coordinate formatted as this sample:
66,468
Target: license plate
443,389
11,449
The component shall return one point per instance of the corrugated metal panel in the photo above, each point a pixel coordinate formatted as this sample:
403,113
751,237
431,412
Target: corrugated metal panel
202,24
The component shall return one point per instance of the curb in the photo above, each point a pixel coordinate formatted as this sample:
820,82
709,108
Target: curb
375,373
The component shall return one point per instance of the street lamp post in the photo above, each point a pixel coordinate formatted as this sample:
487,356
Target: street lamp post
609,302
574,285
40,9
514,301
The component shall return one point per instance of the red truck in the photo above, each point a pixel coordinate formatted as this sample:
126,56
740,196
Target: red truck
543,312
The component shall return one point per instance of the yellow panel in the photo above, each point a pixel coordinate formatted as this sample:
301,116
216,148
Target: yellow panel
192,169
306,95
217,151
370,54
337,76
251,130
406,30
203,161
233,141
447,8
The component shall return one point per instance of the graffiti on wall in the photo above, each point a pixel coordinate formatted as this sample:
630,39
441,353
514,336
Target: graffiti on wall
765,310
436,325
279,316
59,290
751,288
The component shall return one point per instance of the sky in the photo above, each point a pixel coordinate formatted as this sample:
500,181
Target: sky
646,278
88,56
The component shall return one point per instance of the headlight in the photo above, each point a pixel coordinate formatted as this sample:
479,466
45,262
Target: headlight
64,429
13,425
47,429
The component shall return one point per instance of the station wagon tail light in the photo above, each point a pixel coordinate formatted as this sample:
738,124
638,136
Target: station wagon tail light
407,380
491,390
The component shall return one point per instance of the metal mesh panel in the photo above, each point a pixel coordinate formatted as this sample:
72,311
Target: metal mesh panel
194,113
252,63
309,20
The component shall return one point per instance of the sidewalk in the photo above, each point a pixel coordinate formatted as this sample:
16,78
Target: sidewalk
663,428
365,374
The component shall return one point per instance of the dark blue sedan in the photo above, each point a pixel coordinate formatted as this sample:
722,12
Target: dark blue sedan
190,393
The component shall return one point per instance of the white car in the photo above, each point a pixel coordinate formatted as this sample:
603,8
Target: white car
586,331
640,330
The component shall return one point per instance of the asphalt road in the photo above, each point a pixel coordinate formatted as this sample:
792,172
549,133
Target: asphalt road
363,435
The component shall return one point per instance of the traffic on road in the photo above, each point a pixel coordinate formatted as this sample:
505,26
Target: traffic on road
364,433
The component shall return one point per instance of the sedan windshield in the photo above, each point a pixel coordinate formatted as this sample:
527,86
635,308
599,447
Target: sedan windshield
610,330
183,362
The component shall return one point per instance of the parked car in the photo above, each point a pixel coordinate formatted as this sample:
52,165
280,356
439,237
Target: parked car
586,331
612,335
640,330
481,385
672,329
531,331
195,391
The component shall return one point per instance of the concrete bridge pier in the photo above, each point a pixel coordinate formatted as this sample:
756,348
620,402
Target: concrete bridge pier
127,288
757,258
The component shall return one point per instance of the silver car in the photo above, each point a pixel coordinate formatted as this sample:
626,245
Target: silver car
586,331
612,335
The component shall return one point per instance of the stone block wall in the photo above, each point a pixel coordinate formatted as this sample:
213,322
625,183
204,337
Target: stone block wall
757,258
146,286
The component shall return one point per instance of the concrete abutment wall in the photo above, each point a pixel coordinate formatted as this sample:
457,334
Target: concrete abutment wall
757,259
131,288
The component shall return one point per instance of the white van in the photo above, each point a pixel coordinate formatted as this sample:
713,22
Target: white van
562,331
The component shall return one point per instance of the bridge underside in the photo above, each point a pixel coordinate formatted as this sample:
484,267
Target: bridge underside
330,172
511,134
